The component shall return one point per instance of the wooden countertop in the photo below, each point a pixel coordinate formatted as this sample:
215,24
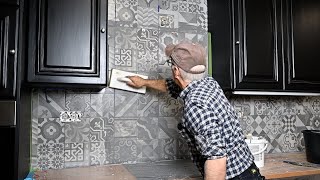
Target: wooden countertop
274,166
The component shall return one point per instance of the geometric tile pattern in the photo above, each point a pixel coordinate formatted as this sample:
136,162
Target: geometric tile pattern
124,127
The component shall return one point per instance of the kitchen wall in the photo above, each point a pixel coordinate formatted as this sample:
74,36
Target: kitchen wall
125,127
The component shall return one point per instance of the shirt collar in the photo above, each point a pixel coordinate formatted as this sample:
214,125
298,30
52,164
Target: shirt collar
190,86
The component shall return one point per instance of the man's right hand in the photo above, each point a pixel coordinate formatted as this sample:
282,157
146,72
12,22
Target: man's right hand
136,81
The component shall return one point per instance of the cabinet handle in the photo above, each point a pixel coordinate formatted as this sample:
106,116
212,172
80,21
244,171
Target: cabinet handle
237,42
103,30
12,51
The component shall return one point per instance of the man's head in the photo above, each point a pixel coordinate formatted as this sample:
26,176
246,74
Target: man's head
190,57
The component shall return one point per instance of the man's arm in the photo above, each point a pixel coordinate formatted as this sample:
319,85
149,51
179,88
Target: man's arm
215,169
157,84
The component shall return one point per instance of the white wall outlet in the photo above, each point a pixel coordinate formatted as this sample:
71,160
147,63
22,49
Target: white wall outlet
70,116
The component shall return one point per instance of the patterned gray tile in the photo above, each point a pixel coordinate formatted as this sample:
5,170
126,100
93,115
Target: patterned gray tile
126,104
111,13
124,59
168,149
147,39
188,36
78,102
168,20
50,156
147,61
188,22
101,129
148,128
147,150
77,132
169,5
111,39
315,122
147,17
148,105
148,3
125,150
125,38
102,105
182,149
166,38
51,130
76,154
126,11
168,127
50,103
170,107
101,153
125,127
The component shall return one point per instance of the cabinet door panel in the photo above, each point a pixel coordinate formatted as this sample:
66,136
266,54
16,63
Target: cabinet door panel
8,52
65,41
303,27
257,43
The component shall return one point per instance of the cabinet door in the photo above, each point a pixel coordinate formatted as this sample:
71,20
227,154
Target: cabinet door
257,46
9,2
8,48
67,41
302,24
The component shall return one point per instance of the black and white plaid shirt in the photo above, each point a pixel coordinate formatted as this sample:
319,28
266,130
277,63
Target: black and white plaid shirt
210,126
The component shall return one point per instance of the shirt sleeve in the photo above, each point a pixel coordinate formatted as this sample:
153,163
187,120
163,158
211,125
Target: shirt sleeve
173,89
208,132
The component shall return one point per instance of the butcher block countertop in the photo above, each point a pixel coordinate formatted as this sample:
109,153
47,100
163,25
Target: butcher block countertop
274,166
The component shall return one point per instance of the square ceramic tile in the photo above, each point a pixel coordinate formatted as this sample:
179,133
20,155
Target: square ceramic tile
125,38
102,105
125,127
50,156
76,154
126,103
77,132
147,150
125,150
147,17
126,11
50,103
51,130
101,129
148,128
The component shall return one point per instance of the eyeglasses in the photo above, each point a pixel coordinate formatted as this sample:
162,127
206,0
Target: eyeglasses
170,62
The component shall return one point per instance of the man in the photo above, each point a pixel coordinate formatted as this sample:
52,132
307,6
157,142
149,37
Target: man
210,124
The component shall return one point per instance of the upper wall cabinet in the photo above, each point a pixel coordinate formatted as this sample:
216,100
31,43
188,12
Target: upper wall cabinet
265,45
256,44
8,50
9,2
67,41
302,44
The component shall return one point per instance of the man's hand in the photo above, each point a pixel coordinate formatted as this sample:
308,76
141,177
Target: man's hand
136,82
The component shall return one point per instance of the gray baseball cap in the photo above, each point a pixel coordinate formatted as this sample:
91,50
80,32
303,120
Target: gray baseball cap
189,56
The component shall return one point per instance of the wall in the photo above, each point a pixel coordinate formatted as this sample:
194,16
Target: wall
125,127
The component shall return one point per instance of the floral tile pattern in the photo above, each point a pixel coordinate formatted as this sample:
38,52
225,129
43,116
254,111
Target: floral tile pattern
51,130
124,127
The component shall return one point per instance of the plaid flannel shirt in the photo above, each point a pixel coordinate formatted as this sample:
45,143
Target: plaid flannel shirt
211,126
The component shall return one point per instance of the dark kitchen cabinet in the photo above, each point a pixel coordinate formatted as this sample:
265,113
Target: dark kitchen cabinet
8,49
256,44
266,45
302,43
9,2
67,41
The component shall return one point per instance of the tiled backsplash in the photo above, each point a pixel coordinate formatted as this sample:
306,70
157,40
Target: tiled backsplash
124,127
